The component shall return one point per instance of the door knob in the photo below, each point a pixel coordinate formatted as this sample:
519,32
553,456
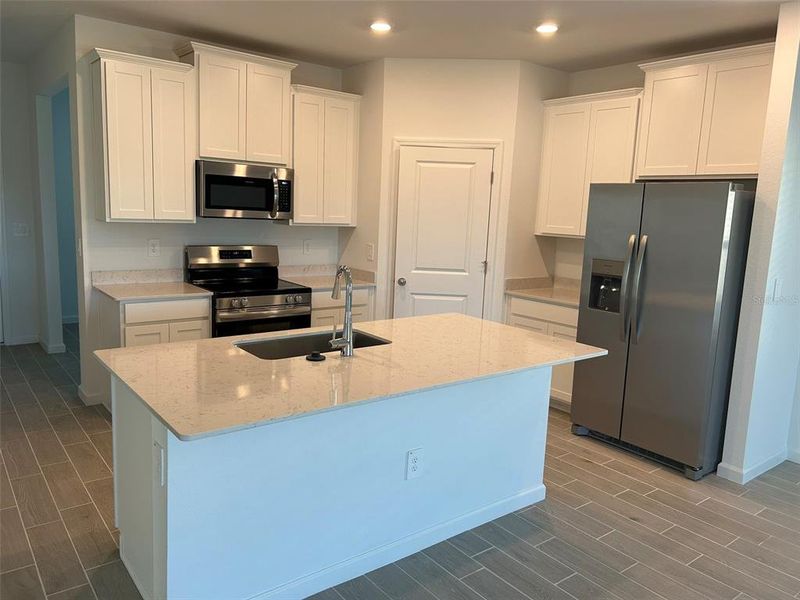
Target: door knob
401,281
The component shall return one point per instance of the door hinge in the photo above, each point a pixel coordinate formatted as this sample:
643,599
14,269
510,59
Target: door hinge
485,264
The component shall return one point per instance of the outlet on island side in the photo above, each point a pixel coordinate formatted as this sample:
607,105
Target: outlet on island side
414,464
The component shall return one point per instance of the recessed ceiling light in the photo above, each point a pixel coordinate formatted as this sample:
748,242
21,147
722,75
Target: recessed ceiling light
547,28
380,27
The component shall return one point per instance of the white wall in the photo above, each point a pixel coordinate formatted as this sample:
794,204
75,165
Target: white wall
20,285
794,427
764,384
615,77
569,259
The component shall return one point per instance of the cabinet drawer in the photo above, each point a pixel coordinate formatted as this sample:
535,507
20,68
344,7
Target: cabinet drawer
188,330
326,317
528,323
166,310
324,300
145,335
544,312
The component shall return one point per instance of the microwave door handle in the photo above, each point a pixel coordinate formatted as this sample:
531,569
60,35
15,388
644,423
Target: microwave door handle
624,317
276,194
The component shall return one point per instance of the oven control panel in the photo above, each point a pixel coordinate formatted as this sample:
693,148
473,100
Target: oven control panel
250,302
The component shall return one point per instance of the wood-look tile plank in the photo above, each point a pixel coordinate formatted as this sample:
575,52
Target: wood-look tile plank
626,509
680,489
586,476
51,402
777,482
11,428
104,444
554,451
91,420
68,430
87,461
329,594
554,477
113,581
623,480
5,401
452,559
774,501
18,458
22,584
577,519
757,521
14,550
661,584
66,486
565,496
489,585
69,394
525,579
83,592
583,589
58,564
731,558
102,493
435,579
789,564
670,567
6,493
712,491
523,529
397,584
787,470
565,441
91,538
21,394
709,516
360,588
34,501
785,520
738,580
33,418
502,539
46,447
469,543
782,547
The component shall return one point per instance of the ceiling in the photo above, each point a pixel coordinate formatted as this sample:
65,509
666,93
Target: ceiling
336,33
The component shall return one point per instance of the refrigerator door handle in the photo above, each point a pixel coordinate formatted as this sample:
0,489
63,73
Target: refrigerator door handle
624,316
637,280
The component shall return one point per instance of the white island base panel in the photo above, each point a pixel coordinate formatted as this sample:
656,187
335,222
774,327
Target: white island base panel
290,508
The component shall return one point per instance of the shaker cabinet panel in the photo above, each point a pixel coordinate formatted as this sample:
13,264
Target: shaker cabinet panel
339,162
268,119
145,335
309,136
223,101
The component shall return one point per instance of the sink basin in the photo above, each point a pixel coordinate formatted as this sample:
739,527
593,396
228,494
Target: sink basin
303,344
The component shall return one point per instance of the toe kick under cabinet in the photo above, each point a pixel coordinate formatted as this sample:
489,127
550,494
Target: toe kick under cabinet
552,320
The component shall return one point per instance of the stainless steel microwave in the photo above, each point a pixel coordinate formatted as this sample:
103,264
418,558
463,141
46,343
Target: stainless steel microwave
243,190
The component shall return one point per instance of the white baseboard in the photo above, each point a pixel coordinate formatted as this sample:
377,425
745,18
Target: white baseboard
794,455
379,557
95,398
742,476
53,348
21,339
558,402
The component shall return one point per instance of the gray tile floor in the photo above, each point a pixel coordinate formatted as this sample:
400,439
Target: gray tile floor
613,526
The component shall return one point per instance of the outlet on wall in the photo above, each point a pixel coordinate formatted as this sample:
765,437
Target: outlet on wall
153,248
414,464
306,246
370,252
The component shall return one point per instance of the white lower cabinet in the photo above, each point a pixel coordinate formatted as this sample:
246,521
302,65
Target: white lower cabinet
325,311
188,330
553,320
144,335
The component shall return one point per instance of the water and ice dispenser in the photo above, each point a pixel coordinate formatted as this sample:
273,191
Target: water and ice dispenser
604,293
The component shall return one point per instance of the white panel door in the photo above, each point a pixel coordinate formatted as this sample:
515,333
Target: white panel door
563,173
129,139
672,111
174,144
733,118
268,114
443,200
612,141
309,136
223,100
339,164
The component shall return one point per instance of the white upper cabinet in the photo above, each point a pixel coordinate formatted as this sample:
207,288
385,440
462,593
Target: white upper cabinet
325,156
587,139
705,114
244,104
144,138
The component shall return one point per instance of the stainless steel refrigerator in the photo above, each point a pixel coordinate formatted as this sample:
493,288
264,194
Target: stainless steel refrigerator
663,269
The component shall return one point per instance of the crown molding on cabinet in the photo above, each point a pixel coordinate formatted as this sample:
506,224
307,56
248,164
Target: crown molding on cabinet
187,52
105,54
611,95
308,89
704,57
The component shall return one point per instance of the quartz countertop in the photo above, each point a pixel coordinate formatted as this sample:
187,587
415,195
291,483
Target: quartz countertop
123,292
322,283
552,295
207,387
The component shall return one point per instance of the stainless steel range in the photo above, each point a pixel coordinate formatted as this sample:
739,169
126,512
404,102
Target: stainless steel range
248,295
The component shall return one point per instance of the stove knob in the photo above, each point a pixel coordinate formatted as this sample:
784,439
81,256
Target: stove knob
236,303
244,302
289,299
298,298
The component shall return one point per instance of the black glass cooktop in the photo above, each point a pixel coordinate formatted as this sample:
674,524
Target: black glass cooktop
252,287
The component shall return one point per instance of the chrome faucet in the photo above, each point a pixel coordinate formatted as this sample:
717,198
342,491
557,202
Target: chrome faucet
345,342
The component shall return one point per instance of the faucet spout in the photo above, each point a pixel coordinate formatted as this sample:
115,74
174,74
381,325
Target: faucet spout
345,342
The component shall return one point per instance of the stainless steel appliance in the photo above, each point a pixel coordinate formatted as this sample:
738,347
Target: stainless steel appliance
662,280
248,295
243,190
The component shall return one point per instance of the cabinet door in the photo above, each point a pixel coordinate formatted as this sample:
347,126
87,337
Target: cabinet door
129,141
222,90
734,114
528,323
188,330
144,335
174,144
672,111
339,161
612,140
326,317
268,114
563,174
561,382
309,136
361,314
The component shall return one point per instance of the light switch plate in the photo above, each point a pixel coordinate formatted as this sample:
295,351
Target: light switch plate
153,248
370,252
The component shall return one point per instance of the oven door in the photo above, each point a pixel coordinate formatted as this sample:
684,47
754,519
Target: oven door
259,320
243,191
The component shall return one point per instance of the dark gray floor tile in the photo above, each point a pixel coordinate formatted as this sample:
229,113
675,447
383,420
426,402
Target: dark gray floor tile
789,564
112,581
360,588
621,479
46,447
586,476
87,461
435,579
33,418
22,584
104,444
6,493
55,557
69,393
577,519
583,589
757,521
20,394
782,547
102,492
329,594
661,584
621,507
397,584
521,577
738,580
51,402
787,470
564,496
66,486
554,477
91,420
18,458
523,529
91,538
490,586
469,543
11,428
452,559
83,592
780,502
14,550
68,430
34,501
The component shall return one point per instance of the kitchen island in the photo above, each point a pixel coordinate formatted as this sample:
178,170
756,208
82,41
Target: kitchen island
239,477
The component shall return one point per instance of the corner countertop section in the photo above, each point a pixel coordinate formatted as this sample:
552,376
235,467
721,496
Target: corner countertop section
171,290
209,387
561,296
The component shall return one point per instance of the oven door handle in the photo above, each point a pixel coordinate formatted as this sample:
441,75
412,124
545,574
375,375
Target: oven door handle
252,314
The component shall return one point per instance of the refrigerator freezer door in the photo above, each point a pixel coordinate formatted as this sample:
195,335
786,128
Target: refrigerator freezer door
671,357
611,237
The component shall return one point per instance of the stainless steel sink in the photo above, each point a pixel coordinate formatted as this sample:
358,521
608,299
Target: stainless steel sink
303,344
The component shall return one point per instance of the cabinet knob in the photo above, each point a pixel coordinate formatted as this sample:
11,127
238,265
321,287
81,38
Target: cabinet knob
401,281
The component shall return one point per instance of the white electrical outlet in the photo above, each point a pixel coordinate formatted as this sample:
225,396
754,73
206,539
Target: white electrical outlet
153,248
370,252
306,246
22,230
414,465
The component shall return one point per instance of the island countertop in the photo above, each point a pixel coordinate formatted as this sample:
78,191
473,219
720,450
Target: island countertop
208,387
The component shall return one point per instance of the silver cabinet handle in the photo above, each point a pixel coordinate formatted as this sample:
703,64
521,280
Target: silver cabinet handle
401,281
637,280
275,195
624,315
